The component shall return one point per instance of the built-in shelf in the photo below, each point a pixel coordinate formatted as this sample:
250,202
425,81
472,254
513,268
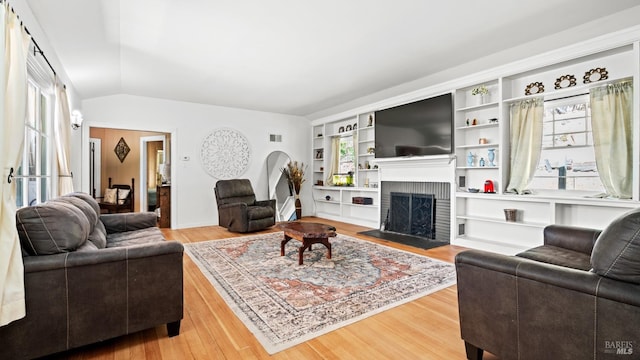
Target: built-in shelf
477,146
477,167
479,126
478,107
502,221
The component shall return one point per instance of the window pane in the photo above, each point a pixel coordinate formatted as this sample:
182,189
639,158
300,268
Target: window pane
33,191
575,139
31,105
570,125
347,163
44,164
43,114
19,191
567,159
44,188
32,138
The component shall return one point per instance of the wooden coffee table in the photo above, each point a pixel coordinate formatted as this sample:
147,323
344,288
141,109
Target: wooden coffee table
308,233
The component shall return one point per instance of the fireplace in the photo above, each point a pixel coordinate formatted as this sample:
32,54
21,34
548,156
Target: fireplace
426,185
433,226
412,214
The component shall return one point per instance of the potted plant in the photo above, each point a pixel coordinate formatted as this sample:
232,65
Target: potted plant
482,91
294,173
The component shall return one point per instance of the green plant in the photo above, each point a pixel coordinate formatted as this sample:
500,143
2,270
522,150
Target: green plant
480,90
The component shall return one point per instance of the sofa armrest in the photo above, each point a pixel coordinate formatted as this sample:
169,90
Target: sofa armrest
571,237
122,222
233,216
271,203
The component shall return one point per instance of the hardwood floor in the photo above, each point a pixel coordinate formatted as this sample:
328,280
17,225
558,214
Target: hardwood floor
426,328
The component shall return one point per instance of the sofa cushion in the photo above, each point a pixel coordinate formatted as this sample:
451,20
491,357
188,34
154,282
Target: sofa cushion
135,237
87,210
99,236
616,253
52,227
87,198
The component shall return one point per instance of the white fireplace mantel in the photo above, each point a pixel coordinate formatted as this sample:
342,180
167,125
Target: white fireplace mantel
438,168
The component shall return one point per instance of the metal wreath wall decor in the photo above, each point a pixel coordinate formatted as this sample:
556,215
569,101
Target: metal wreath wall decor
225,153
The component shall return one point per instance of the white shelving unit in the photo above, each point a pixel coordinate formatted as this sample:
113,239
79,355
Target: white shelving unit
339,206
479,218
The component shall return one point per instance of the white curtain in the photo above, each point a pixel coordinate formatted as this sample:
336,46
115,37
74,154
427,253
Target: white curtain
63,140
611,120
526,143
334,164
12,119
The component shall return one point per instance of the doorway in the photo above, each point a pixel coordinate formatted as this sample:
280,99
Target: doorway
152,162
128,167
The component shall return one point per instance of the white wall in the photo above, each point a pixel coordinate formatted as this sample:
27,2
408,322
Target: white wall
193,200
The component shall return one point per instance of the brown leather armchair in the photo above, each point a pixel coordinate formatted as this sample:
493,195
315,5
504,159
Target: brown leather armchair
575,297
238,210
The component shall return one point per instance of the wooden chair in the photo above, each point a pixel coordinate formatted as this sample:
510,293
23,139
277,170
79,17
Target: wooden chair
121,205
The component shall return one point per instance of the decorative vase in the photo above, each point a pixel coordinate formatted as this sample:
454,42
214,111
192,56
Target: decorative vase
296,188
470,159
491,156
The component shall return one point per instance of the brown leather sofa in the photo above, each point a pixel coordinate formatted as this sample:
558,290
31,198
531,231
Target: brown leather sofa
238,210
91,277
575,297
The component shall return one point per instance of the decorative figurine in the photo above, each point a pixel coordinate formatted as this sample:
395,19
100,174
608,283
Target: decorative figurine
470,159
491,156
370,120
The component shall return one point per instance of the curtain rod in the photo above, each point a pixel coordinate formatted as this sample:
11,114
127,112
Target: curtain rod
36,48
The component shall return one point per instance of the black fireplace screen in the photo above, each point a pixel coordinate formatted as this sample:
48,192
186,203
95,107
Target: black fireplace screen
413,214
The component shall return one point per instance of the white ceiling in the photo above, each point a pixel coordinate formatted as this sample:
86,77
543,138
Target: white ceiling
292,57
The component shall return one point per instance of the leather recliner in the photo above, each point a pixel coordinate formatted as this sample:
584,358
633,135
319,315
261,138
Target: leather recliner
575,297
238,210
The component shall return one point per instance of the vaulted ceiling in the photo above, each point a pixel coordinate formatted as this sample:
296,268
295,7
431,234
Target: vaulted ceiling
292,57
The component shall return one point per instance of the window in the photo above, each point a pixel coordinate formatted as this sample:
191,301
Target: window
347,163
34,174
567,159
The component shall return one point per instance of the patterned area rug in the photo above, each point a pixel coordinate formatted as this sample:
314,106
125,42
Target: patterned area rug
285,304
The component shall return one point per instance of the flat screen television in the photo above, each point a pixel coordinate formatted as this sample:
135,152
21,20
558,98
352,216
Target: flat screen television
419,128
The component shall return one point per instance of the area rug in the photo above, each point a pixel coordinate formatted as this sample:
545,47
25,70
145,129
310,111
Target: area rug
284,304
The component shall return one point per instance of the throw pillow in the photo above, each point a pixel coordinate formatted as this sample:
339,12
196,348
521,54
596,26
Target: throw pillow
122,195
616,252
110,196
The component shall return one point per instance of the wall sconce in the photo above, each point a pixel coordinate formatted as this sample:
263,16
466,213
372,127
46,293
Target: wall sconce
76,119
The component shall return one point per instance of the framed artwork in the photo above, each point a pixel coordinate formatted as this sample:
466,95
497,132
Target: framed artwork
122,149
